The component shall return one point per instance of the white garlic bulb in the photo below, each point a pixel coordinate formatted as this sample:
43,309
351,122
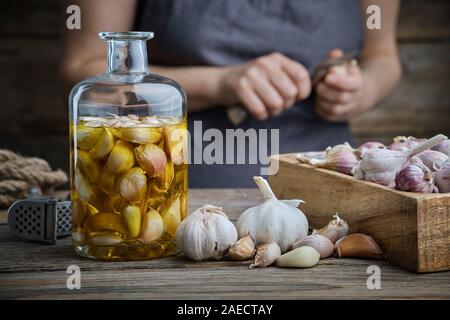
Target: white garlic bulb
206,233
274,220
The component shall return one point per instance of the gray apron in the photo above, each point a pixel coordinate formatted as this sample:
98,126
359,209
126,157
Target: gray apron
226,32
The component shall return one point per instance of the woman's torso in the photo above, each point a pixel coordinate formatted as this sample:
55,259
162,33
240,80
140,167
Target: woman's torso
224,32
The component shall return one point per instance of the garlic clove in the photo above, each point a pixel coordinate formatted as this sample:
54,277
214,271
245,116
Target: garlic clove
358,245
335,229
87,137
133,184
266,254
303,257
88,166
107,181
104,144
172,215
322,244
106,240
152,226
243,249
151,159
166,178
175,141
132,216
105,221
121,157
82,186
140,135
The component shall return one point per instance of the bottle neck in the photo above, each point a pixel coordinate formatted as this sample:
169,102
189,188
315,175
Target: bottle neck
127,56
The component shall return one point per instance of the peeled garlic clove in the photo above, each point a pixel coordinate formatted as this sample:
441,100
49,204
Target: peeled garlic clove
184,205
322,244
83,187
172,216
303,257
88,166
243,249
166,178
106,240
132,215
133,185
176,144
140,135
266,254
151,159
121,157
105,221
152,226
334,230
358,245
104,144
87,137
107,181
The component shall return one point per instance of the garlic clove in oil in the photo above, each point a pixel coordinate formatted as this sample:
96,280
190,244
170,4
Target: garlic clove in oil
151,159
87,137
121,157
172,215
266,254
88,166
322,244
133,184
175,142
104,144
107,181
335,229
358,245
82,186
274,220
206,233
140,135
303,257
132,216
152,226
106,221
243,249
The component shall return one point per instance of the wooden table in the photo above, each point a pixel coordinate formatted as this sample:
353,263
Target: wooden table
34,271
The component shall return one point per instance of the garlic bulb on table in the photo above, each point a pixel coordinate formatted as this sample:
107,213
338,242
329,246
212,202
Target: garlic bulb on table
274,220
206,233
381,165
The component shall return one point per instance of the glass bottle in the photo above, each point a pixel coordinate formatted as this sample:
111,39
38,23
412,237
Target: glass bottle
128,138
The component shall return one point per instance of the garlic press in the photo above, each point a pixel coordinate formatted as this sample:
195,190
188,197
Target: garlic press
40,219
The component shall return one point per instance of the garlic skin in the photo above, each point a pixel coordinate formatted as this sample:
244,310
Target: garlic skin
266,254
206,233
369,146
322,244
341,158
442,177
303,257
415,177
334,230
432,159
273,220
381,165
243,249
443,147
358,245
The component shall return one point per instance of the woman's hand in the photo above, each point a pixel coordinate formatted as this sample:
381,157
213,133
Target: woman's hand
265,86
341,96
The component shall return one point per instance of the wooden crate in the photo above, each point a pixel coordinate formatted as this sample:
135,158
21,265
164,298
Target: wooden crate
412,229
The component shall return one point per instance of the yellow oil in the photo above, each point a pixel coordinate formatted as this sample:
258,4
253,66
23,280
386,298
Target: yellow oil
129,186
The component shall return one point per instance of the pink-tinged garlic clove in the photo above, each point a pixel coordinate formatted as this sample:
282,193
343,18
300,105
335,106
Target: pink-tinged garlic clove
151,159
341,158
358,245
402,143
370,146
432,159
322,244
415,177
443,147
442,178
335,229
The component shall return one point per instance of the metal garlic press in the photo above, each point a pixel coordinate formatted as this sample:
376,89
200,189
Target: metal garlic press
40,219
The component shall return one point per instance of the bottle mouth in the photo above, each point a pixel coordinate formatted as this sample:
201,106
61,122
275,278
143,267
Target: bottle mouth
128,35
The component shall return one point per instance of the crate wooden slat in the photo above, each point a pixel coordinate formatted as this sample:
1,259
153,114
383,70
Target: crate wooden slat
411,228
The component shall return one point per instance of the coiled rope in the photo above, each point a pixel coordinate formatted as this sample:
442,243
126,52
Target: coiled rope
18,175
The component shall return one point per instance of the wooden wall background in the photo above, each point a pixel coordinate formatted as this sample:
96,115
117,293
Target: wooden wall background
33,113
